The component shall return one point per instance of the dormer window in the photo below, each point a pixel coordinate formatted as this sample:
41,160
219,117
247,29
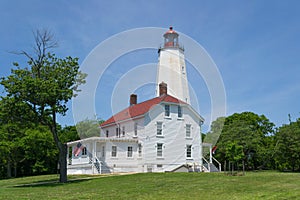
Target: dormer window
179,112
135,129
167,110
123,131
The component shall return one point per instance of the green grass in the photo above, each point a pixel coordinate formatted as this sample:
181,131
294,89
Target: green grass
255,185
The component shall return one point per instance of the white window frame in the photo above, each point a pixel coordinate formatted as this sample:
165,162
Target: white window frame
188,130
135,128
167,110
117,131
179,111
103,151
159,128
114,151
188,151
84,151
159,149
140,150
123,131
129,152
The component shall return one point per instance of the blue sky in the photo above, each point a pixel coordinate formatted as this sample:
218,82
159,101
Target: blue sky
255,45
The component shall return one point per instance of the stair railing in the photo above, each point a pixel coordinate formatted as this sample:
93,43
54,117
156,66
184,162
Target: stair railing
208,164
219,164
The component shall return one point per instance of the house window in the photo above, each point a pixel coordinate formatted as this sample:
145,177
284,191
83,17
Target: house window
140,150
123,131
188,151
103,151
188,130
159,166
179,112
129,152
118,132
135,129
114,151
159,149
84,152
159,128
167,110
107,133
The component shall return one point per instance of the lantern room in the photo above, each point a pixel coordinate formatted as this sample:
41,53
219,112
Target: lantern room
171,38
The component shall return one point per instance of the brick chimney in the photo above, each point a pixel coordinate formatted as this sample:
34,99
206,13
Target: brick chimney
133,99
163,88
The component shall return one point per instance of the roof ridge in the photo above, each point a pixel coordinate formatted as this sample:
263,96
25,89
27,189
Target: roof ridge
139,109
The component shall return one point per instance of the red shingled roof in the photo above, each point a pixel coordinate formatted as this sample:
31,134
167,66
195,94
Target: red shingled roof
140,109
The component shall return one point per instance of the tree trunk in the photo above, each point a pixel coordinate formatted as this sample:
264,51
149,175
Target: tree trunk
243,168
15,169
62,156
8,172
62,160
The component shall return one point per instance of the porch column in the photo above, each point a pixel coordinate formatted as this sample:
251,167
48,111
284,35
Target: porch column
210,154
94,156
94,149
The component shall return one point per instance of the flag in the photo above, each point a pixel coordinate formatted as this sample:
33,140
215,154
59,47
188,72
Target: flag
214,149
78,149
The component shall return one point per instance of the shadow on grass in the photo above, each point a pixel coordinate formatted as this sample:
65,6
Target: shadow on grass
50,183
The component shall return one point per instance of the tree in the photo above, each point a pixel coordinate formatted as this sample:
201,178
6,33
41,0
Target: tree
68,133
287,138
88,128
251,132
45,86
39,150
214,134
11,126
234,153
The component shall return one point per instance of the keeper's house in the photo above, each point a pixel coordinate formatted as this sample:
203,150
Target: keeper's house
158,135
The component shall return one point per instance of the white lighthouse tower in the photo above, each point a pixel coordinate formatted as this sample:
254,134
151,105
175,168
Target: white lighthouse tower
171,67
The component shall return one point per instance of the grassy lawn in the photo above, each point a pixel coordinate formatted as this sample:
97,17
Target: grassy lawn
255,185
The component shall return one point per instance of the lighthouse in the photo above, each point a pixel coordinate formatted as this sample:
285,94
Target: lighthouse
171,67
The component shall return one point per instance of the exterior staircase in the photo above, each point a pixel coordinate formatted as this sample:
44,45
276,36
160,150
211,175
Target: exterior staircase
210,166
100,166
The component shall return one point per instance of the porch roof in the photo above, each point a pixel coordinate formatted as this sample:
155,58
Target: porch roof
104,139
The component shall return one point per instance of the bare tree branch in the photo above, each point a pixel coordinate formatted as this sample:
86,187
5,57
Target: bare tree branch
44,41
